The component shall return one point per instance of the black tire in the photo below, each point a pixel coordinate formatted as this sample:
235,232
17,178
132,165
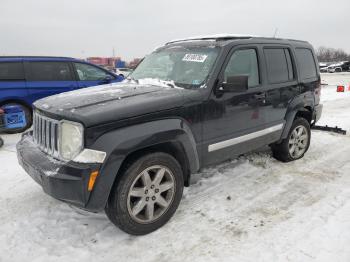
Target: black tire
28,114
281,151
1,142
117,206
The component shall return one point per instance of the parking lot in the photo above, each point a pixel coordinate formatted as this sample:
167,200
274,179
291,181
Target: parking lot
251,208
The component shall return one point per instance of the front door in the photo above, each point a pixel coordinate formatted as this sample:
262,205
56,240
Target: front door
234,122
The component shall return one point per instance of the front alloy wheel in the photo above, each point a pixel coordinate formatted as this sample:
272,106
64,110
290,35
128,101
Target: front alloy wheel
151,194
146,194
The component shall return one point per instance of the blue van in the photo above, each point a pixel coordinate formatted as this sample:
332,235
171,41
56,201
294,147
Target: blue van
23,80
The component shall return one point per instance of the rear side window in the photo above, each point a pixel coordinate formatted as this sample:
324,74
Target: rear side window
279,65
49,71
306,63
11,71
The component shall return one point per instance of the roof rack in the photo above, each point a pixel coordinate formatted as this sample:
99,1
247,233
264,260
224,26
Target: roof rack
223,37
218,37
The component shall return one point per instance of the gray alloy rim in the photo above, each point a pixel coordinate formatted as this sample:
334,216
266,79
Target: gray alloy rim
298,141
151,194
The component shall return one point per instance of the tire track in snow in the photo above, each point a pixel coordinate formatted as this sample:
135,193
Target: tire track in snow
261,191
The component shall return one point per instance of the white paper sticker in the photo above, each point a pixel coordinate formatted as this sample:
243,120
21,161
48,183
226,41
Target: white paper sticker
194,58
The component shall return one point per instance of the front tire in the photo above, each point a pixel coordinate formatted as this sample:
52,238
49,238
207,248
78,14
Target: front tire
147,194
296,144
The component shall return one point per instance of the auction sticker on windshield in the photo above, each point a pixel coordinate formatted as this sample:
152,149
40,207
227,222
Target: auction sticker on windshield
194,58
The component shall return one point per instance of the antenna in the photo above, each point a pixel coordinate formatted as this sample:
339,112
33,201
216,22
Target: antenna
275,34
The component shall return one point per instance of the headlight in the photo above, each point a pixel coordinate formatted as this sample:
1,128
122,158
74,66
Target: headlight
71,139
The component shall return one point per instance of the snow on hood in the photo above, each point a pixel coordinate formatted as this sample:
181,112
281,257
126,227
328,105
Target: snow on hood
113,102
158,82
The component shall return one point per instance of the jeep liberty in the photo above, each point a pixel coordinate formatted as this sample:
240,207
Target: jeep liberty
129,148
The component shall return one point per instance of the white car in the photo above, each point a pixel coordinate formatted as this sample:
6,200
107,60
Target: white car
339,67
124,72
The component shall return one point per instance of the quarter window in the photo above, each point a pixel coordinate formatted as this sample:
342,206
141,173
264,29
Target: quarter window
90,73
49,71
306,63
11,71
279,65
244,62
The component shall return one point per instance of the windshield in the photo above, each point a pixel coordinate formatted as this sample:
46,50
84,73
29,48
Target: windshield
185,67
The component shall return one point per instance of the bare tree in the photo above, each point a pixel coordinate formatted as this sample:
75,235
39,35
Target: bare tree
327,54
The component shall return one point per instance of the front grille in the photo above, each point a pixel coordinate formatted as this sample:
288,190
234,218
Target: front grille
45,134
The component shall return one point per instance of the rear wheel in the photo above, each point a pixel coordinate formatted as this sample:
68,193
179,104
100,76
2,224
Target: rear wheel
147,194
296,144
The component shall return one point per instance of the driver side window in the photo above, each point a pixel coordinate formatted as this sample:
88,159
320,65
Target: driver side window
89,73
244,63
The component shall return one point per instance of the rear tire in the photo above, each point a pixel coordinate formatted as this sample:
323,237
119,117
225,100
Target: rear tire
147,194
296,144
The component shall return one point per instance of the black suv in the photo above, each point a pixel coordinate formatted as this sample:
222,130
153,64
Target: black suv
129,148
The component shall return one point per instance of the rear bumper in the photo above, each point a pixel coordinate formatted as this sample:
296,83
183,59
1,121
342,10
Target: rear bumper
66,181
317,113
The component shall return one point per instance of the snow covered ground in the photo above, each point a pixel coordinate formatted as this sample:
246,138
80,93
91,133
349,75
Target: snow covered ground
250,209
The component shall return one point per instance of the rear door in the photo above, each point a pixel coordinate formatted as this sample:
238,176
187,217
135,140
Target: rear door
89,75
46,78
12,80
281,82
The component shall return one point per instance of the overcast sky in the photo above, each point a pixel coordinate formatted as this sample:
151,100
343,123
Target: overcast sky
82,28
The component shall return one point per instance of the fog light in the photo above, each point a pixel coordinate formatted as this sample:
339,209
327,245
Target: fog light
92,180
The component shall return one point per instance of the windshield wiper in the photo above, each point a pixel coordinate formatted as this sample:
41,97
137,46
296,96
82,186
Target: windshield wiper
129,78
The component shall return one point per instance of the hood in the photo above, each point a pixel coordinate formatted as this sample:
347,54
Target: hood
102,104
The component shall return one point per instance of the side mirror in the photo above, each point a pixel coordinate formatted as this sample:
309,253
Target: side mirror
235,84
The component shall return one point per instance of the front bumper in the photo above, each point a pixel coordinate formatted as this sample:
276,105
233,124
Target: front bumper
317,113
66,181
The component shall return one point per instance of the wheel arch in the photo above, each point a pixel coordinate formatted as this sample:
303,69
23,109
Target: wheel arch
172,136
173,148
301,110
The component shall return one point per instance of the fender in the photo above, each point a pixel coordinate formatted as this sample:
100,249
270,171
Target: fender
299,103
118,144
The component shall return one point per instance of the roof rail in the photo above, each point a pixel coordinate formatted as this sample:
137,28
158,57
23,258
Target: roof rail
223,37
218,37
